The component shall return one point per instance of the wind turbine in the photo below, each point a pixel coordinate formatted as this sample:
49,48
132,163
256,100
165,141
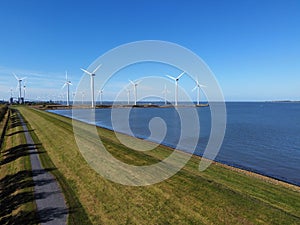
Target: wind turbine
135,84
24,91
128,96
92,74
82,97
165,92
198,86
73,99
176,79
67,83
20,86
100,95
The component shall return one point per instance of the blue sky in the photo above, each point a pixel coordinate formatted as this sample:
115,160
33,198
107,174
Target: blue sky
253,47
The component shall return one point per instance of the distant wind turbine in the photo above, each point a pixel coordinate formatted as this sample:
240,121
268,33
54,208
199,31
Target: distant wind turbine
198,86
176,79
128,96
82,97
20,86
24,91
135,84
165,92
100,95
73,99
67,83
92,74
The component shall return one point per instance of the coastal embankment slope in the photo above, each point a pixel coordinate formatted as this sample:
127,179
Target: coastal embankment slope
219,195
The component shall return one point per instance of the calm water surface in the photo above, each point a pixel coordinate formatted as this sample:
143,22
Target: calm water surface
260,137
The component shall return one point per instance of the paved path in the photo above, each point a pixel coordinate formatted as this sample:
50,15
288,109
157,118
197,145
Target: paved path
51,206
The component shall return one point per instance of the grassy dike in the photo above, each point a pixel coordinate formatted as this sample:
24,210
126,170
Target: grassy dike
218,195
16,185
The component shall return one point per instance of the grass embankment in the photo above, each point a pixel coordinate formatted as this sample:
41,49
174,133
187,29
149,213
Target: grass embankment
16,185
216,196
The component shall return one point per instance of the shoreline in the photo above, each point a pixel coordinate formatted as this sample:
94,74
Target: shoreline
62,107
261,176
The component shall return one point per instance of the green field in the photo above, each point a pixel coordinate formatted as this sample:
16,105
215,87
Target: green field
216,196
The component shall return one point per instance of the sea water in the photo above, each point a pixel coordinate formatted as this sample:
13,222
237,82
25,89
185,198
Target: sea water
263,137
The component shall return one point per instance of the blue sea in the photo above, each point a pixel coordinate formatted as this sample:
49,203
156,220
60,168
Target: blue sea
263,137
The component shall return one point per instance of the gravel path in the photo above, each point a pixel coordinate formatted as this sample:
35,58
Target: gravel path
49,198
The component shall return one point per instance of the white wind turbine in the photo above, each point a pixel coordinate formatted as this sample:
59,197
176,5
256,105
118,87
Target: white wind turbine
73,97
176,79
128,96
135,84
165,92
198,86
20,86
100,95
82,97
92,75
24,90
67,83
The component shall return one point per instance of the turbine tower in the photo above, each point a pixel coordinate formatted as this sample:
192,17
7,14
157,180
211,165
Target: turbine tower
92,75
20,87
67,83
135,84
176,79
198,86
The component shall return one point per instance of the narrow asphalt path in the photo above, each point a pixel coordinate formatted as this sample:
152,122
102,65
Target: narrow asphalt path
51,206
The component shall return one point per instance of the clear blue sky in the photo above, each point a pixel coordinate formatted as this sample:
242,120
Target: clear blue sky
253,47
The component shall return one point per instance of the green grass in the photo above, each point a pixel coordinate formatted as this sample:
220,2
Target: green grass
216,196
16,185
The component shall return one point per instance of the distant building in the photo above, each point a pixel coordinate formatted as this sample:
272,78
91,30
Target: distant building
21,100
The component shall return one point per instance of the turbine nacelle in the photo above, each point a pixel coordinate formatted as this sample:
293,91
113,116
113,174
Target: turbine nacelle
93,73
19,79
176,79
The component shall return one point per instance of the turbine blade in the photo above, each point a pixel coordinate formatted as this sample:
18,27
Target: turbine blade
172,78
202,85
197,82
17,78
66,76
64,86
96,68
23,78
87,72
131,82
180,75
195,88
